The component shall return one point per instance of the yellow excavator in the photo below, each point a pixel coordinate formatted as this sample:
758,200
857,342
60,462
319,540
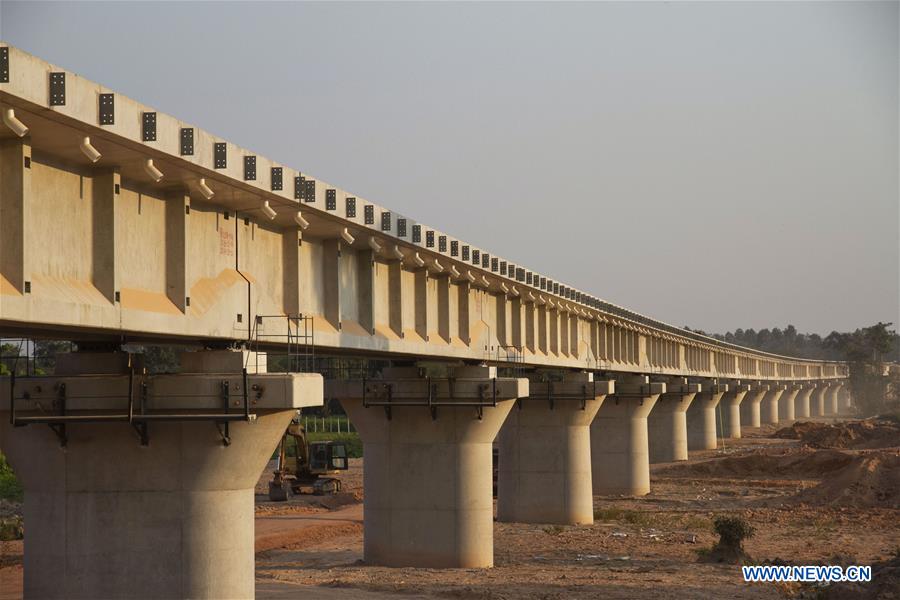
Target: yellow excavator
305,467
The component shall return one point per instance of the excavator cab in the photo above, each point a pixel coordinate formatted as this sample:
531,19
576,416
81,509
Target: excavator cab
303,466
327,457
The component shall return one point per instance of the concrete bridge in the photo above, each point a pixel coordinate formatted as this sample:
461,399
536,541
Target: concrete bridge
124,224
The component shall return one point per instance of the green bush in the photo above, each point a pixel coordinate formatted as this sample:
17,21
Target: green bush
10,488
732,532
11,529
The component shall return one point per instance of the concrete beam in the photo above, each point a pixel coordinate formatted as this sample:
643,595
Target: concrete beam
15,197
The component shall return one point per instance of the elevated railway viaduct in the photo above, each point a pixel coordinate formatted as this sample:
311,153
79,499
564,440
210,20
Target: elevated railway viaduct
124,224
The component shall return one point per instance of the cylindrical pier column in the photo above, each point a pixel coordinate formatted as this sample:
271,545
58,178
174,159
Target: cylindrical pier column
801,402
545,452
831,399
428,475
701,416
667,422
769,407
817,402
786,404
845,401
750,407
731,409
620,456
110,517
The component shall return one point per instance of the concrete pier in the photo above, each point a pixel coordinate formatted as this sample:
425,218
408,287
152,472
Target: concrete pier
786,404
801,401
545,456
844,400
831,399
750,407
731,409
769,406
817,401
110,517
428,475
620,455
701,415
667,422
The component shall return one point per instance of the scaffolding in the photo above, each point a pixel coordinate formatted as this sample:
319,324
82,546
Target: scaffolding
292,333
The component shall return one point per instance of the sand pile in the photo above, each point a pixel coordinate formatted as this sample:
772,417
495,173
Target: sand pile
872,479
868,434
803,464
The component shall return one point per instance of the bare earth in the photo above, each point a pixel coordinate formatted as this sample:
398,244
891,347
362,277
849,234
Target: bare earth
829,498
648,547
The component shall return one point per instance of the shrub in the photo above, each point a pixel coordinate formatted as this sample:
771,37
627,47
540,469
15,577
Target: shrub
732,532
11,529
10,488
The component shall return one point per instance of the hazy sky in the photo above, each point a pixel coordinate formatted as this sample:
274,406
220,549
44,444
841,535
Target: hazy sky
716,165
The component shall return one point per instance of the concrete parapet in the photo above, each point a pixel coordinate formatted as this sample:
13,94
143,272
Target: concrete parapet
428,475
545,457
667,422
620,456
701,415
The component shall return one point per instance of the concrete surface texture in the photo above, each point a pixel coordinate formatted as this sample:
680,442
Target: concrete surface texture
817,401
786,404
731,410
801,402
620,455
831,400
106,247
750,407
109,517
428,476
544,453
769,406
667,422
702,416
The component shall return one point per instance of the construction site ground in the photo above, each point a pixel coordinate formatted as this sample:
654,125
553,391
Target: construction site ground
815,493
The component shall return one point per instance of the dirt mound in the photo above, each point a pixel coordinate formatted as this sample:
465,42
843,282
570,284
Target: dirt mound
802,464
869,480
868,434
340,499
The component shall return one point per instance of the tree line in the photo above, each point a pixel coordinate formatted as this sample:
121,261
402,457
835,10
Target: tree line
877,343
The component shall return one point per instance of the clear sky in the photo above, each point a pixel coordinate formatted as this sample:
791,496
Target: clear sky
716,165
